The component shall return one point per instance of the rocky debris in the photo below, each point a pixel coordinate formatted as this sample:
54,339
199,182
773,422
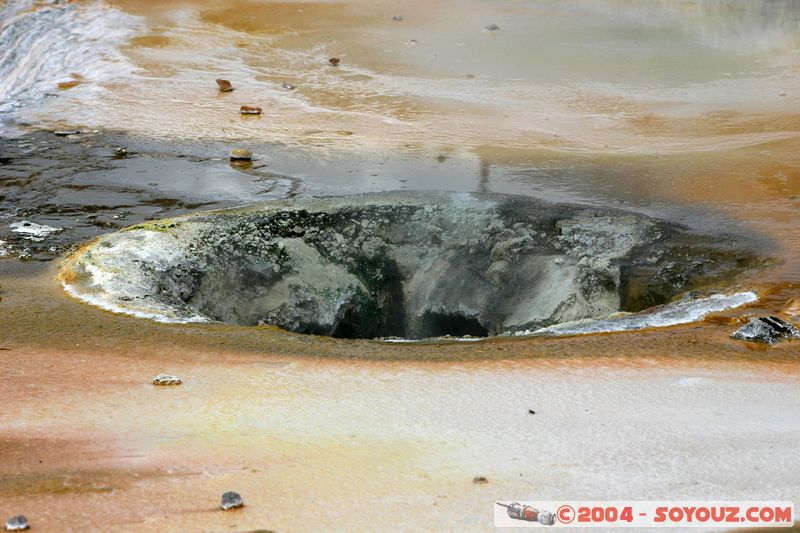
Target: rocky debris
491,27
766,329
411,43
248,110
120,153
32,231
17,523
409,265
241,154
479,480
397,18
288,86
531,412
231,500
166,380
224,86
334,61
65,133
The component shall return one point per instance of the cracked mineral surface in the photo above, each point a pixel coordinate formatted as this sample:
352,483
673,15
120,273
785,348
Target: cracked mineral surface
402,265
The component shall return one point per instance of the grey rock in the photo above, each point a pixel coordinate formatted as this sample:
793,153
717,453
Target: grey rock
491,27
766,329
33,231
17,523
411,265
231,500
166,380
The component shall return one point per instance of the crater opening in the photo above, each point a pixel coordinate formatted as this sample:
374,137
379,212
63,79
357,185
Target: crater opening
403,265
441,325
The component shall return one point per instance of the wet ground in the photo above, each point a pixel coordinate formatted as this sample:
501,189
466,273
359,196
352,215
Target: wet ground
372,436
679,110
91,183
286,418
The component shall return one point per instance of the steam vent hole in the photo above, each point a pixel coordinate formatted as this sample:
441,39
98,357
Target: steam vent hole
404,265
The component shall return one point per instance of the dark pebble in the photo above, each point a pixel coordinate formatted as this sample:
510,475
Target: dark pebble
231,500
766,329
224,86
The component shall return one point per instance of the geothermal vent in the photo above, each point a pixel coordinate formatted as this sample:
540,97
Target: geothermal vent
406,265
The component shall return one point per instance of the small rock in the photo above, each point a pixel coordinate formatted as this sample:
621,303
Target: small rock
781,93
531,412
480,480
231,500
64,133
334,61
119,153
288,86
225,86
166,380
32,231
17,523
247,110
491,27
411,43
241,154
766,329
397,18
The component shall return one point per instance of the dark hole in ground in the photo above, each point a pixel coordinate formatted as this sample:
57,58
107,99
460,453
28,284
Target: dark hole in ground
386,317
440,324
